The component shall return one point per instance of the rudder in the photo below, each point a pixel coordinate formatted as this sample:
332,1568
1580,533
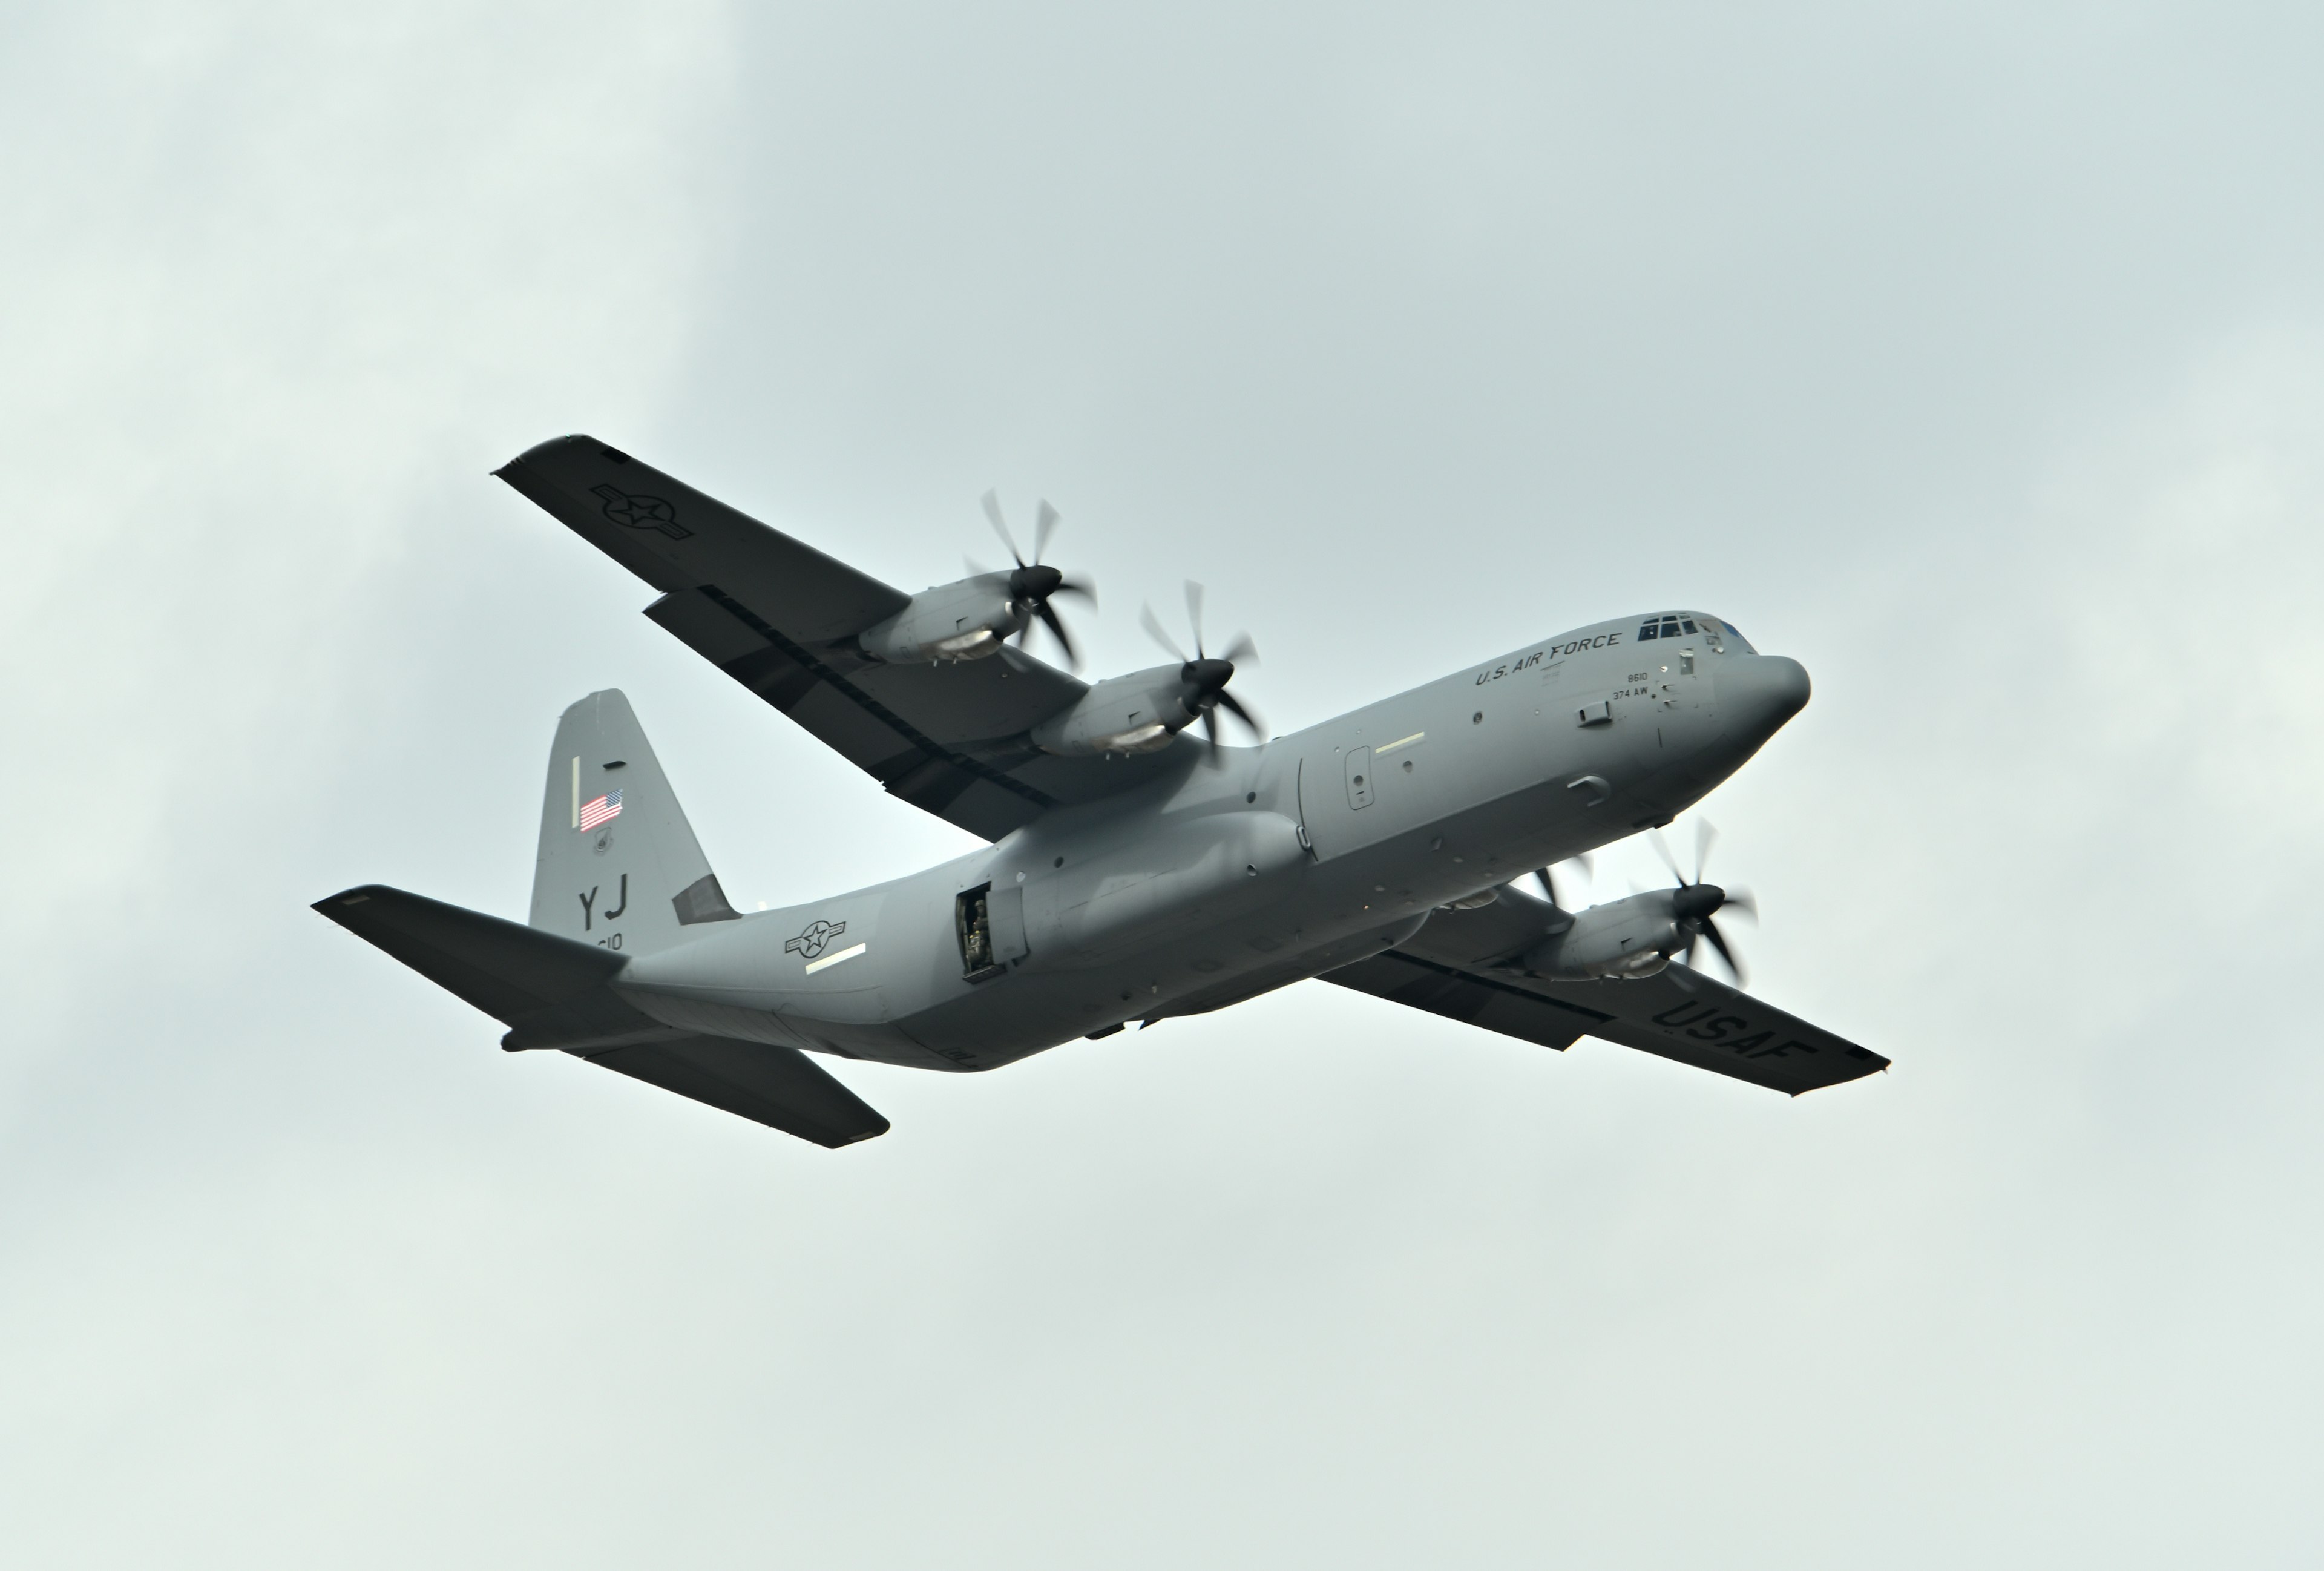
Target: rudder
619,866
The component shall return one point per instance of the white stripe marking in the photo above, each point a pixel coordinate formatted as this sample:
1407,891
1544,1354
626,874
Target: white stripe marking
577,792
1392,746
815,965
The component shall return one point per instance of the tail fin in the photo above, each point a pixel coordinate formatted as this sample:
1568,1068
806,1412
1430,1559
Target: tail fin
619,866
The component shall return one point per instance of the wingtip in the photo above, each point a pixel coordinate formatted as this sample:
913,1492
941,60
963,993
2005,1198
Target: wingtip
544,449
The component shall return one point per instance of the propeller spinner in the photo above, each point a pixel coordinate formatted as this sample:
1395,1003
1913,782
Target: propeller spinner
1695,903
1206,675
1033,584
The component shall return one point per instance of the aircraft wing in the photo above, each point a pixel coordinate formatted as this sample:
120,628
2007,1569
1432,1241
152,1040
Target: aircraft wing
780,618
1449,968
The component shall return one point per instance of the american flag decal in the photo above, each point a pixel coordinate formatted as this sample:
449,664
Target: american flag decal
592,814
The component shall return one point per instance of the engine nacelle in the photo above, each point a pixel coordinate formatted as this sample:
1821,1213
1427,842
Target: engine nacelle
1624,937
953,621
1139,713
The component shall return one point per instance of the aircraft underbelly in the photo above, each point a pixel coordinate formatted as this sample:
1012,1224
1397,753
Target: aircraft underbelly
1032,1010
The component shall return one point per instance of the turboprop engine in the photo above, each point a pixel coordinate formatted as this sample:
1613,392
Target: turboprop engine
972,618
1142,712
1625,938
964,621
1639,935
1139,713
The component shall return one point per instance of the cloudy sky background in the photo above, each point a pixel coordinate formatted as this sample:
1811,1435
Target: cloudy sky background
1972,354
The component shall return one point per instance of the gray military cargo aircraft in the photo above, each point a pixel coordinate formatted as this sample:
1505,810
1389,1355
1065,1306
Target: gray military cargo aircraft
1132,874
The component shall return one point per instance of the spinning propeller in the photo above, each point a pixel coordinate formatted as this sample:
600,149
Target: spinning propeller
1206,675
1032,584
1550,889
1694,902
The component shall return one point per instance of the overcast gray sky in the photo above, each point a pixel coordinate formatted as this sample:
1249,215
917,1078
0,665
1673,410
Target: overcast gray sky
1972,354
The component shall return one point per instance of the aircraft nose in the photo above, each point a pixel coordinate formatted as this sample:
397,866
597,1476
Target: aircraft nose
1765,689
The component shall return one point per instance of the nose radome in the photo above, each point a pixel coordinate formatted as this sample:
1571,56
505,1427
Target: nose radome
1790,689
1772,687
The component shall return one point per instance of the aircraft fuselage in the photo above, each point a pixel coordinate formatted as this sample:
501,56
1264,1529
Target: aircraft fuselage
1222,882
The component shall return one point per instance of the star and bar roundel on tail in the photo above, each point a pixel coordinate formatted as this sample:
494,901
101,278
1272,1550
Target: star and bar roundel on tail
782,619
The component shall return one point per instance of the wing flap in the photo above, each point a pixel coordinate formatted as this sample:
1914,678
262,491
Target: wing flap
1478,1001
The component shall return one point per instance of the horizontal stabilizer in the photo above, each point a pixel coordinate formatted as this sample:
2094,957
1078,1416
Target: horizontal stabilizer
512,972
780,1087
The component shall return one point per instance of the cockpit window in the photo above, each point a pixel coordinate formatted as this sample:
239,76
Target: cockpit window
1675,626
1737,633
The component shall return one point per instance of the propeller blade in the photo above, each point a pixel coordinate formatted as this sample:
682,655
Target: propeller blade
1743,900
1236,707
1079,586
1001,525
1663,850
1589,866
1548,887
1241,652
1211,728
1195,613
1056,626
1703,836
1045,524
1154,631
1718,942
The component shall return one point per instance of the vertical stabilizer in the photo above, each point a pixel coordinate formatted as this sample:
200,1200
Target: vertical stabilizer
619,866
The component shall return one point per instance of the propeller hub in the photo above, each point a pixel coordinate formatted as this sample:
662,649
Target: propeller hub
1208,676
1036,583
1697,900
